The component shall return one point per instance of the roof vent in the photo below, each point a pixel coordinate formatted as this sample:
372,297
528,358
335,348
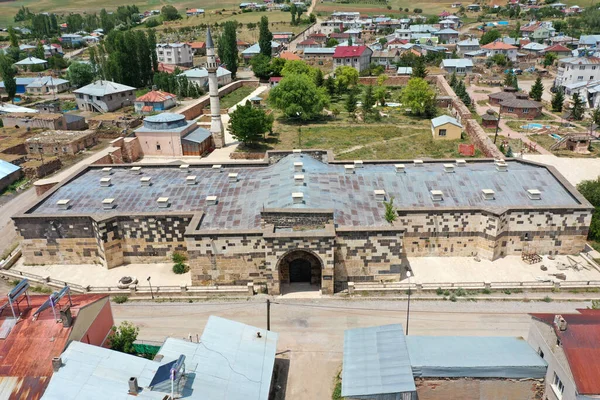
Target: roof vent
190,180
107,170
108,204
499,161
418,163
297,151
146,180
211,200
233,177
217,167
133,386
437,195
534,194
488,194
461,163
63,204
56,363
298,166
560,322
299,180
298,198
358,164
349,169
136,170
502,166
105,182
163,202
400,168
449,167
379,194
184,167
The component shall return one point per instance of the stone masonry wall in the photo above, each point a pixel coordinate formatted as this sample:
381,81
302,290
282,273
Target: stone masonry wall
292,219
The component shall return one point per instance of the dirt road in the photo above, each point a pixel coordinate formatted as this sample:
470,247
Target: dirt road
311,332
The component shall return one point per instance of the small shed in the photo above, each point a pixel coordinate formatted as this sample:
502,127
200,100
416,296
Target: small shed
9,173
489,119
446,127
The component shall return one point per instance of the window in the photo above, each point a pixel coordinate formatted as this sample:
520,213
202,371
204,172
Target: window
580,78
558,386
540,352
525,110
591,77
581,67
442,132
157,147
593,67
510,109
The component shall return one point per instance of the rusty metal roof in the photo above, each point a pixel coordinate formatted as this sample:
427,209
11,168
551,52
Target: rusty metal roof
581,344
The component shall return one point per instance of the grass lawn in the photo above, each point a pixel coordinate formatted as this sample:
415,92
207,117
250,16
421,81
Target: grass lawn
516,145
546,141
236,96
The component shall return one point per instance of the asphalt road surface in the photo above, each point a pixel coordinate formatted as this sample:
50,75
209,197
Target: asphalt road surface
311,332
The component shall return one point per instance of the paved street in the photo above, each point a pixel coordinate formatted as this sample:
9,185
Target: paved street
311,332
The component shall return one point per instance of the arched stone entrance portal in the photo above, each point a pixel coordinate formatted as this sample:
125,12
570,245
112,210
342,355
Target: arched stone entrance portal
300,267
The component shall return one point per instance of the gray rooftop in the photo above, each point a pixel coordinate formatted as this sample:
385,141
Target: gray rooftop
457,63
476,357
444,119
102,88
376,362
327,186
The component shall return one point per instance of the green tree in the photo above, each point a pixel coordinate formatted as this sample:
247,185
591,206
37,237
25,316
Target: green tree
318,76
293,11
578,109
516,34
331,42
298,67
558,100
264,36
80,74
345,77
380,93
152,48
453,80
277,65
549,59
248,123
39,51
537,90
596,115
227,48
297,96
490,36
330,85
419,97
390,211
590,189
169,13
350,103
419,69
368,101
261,66
12,37
121,338
7,72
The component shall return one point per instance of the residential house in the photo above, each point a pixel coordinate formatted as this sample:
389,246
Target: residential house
9,173
448,36
283,37
354,34
577,69
175,54
570,344
340,37
22,84
71,39
198,48
467,46
420,28
155,101
48,85
321,56
589,41
190,12
400,36
357,57
559,50
53,121
274,81
255,50
519,104
534,48
446,128
52,49
91,39
559,5
60,142
404,71
395,43
589,92
448,24
308,44
289,56
499,47
458,66
489,119
241,45
385,58
474,8
104,96
318,37
199,76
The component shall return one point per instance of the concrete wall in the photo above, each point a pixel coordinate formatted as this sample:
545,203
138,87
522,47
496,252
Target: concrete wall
479,389
33,122
160,143
10,178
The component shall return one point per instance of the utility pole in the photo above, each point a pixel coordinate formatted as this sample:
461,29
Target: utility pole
268,314
497,125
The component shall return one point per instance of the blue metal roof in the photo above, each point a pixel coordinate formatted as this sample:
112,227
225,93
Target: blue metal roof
475,357
327,187
376,362
198,135
7,168
444,119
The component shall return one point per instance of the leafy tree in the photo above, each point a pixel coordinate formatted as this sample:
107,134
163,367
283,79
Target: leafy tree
12,37
80,74
380,92
39,51
297,67
368,101
169,13
264,36
7,72
419,70
537,90
419,97
318,76
558,100
345,77
590,189
596,115
122,338
350,103
549,59
261,66
152,47
293,11
499,59
330,85
298,97
331,42
227,47
578,108
248,123
517,32
490,36
277,65
453,80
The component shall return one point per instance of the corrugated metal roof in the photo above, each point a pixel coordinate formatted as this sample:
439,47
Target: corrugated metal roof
474,357
376,362
457,63
7,168
199,135
102,88
444,119
31,61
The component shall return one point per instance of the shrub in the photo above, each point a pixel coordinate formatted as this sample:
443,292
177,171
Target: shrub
120,299
439,291
453,298
178,258
180,268
547,299
486,291
460,292
446,293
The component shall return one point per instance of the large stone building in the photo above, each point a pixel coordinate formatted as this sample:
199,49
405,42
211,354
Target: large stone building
303,217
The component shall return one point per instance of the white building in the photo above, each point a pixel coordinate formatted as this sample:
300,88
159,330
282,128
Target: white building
577,70
104,96
175,54
499,47
199,76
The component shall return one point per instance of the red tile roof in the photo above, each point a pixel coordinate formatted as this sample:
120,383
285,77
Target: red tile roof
558,48
308,42
581,344
286,55
197,45
339,35
242,43
498,46
169,68
275,79
349,51
317,35
156,96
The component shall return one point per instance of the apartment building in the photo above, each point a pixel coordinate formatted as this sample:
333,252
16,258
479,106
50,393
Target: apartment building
175,54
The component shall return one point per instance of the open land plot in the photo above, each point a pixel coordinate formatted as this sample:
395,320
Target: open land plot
374,7
546,141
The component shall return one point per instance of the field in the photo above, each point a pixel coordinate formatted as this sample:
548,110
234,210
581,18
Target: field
372,7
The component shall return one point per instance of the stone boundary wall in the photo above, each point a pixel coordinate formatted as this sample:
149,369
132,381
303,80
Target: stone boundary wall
195,110
48,167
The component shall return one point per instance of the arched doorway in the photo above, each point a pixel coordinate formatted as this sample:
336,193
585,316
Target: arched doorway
300,270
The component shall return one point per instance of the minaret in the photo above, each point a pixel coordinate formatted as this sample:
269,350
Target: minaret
216,125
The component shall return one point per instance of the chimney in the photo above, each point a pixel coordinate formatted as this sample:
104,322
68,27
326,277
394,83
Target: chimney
534,194
217,167
184,167
418,163
63,204
358,164
146,181
133,386
379,195
560,323
437,195
233,177
461,163
298,198
108,204
296,151
66,317
399,168
107,170
488,194
211,200
349,169
136,170
190,180
299,180
501,166
105,182
298,166
163,202
449,167
56,363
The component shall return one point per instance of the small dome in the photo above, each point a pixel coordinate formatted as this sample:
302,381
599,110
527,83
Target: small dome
165,121
165,117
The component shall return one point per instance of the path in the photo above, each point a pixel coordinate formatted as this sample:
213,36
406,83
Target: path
314,28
